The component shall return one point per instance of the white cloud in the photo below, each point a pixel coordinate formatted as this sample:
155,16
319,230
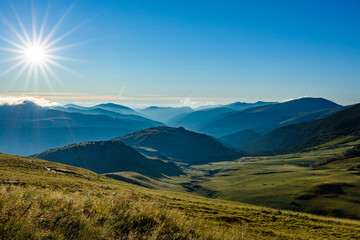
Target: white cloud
10,100
195,103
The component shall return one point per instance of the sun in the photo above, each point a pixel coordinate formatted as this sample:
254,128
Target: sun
35,50
35,54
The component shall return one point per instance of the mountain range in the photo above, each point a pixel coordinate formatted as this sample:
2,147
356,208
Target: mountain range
28,128
163,114
198,119
181,145
266,118
299,137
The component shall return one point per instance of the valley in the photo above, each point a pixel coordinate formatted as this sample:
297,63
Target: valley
87,205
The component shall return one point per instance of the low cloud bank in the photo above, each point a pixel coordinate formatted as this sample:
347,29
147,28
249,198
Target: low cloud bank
9,100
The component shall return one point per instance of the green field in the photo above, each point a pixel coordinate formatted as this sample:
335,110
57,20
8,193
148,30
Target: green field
90,206
284,181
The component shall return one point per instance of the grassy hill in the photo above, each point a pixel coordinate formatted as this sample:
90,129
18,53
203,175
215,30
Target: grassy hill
308,134
110,156
86,205
181,145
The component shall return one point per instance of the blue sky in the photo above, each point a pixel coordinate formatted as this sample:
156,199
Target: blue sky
192,52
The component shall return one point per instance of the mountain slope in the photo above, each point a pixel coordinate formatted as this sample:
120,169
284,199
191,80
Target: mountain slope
240,138
266,118
181,145
197,120
303,135
109,156
86,205
163,114
28,128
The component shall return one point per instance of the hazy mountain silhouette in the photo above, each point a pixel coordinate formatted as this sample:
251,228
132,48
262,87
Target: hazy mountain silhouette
105,106
108,157
101,111
28,128
181,145
243,105
116,108
266,118
239,138
195,121
163,114
300,136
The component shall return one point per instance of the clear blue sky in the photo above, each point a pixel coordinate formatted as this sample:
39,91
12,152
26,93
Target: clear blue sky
194,52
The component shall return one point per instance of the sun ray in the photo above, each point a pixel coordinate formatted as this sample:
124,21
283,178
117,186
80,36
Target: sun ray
57,25
36,49
14,67
43,24
33,21
13,43
26,35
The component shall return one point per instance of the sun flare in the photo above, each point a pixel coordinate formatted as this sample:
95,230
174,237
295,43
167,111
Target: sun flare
35,54
34,50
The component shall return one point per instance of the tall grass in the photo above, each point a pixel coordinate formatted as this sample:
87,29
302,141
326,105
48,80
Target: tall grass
30,213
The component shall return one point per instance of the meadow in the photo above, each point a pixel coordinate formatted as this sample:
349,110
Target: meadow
86,205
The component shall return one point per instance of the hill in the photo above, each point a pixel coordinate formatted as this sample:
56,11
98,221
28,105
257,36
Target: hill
84,205
181,145
163,114
109,156
266,118
198,119
115,114
240,138
308,134
27,128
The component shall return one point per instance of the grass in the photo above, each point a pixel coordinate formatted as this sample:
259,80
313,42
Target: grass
90,206
283,181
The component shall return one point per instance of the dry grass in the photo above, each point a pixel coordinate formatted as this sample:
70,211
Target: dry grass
90,206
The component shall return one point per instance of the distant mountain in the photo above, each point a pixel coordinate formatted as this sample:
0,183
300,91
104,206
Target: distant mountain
105,106
237,106
116,108
308,134
108,157
101,111
163,114
195,121
240,138
181,145
28,128
266,118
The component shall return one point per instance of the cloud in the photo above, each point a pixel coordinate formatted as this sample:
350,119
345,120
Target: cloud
195,103
9,100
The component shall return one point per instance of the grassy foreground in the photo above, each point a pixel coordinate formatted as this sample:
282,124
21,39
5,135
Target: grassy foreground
90,206
289,181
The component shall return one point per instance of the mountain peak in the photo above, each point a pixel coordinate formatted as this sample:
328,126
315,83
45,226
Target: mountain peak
181,145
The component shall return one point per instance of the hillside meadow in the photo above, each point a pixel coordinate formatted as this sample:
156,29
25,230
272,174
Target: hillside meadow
85,205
